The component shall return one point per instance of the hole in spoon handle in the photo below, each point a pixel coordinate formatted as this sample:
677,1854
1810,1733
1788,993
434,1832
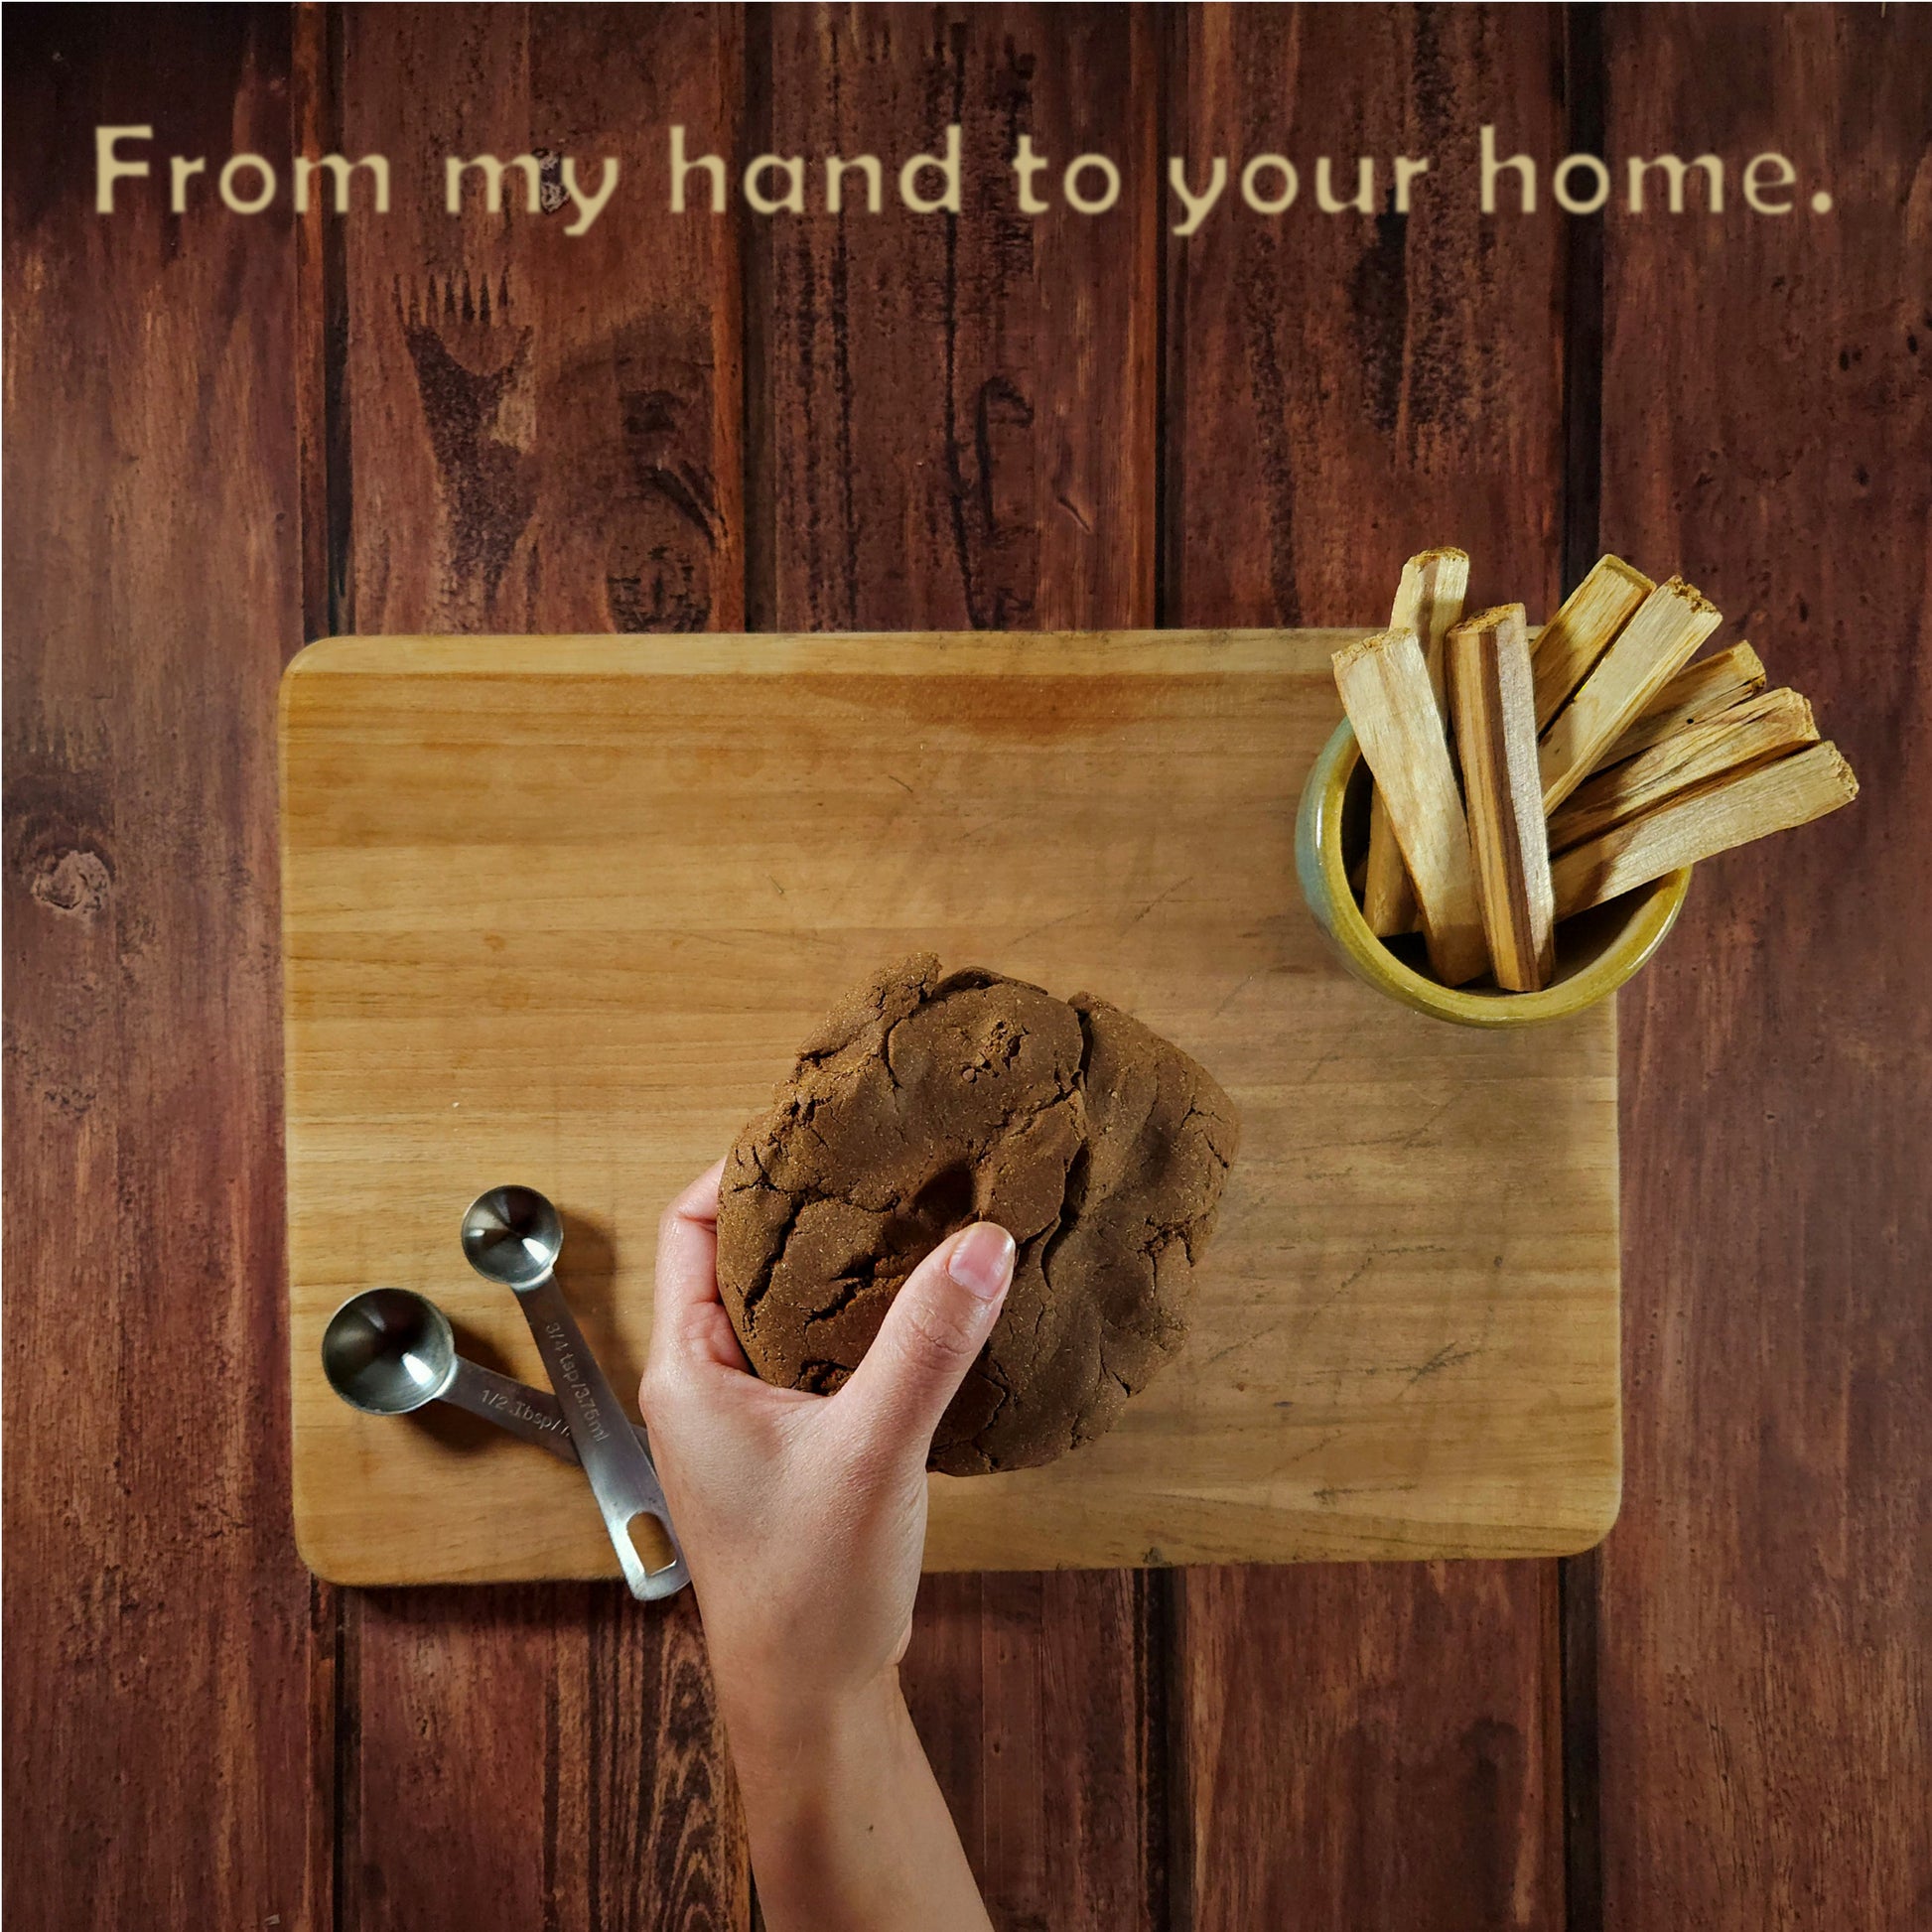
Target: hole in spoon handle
653,1543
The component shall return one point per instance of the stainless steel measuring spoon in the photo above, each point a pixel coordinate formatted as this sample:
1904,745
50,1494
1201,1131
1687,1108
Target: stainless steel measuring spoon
390,1353
512,1236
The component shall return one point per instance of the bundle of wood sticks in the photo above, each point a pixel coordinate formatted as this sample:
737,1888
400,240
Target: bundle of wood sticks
1520,779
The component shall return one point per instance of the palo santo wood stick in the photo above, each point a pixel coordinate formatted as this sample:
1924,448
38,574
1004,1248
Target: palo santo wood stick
1768,798
1569,645
1673,621
1427,600
1492,704
1385,689
1701,690
1751,733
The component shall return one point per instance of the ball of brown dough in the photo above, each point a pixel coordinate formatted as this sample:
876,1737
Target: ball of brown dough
930,1101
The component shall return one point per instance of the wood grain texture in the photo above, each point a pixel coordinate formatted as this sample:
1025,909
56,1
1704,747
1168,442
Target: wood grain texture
1434,1811
1651,648
561,1746
1749,805
1762,1698
958,427
536,430
1702,689
1041,1699
160,1650
1338,390
966,406
1427,600
1569,646
543,430
1493,698
1360,381
1744,734
1399,722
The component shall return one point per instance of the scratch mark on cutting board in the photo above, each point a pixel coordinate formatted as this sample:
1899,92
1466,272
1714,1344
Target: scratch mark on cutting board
1329,1496
1233,996
1449,1355
1034,932
1415,1133
1246,1342
1159,899
1329,1301
1314,1449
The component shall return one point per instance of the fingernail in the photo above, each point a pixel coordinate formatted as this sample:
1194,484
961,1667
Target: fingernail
982,1261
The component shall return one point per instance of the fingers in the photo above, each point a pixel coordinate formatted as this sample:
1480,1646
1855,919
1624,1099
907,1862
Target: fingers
935,1327
688,1320
699,1201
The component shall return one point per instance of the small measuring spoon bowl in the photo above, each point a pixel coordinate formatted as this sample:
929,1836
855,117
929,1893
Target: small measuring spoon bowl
512,1236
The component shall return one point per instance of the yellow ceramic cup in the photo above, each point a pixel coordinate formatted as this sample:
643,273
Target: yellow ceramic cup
1596,951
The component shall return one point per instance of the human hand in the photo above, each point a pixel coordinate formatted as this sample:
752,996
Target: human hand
802,1517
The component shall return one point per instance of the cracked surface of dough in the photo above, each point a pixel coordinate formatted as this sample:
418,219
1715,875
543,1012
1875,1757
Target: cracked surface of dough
928,1101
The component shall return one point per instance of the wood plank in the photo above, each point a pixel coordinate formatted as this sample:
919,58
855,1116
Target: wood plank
1375,1764
161,1649
960,424
1338,398
540,431
1763,1696
544,429
1040,1697
560,1741
960,414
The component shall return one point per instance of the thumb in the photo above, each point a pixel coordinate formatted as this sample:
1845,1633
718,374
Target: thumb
932,1332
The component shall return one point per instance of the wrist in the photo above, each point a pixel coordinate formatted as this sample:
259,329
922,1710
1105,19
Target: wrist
846,1827
780,1732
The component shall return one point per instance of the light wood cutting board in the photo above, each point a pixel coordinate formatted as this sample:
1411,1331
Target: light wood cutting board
560,910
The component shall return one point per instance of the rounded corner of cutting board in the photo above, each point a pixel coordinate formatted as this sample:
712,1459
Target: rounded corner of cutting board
323,655
329,1564
315,656
1600,1518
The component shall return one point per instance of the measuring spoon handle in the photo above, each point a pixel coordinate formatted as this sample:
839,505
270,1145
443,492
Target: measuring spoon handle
622,1475
512,1404
528,1413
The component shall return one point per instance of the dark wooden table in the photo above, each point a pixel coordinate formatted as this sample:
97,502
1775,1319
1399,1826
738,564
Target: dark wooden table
229,434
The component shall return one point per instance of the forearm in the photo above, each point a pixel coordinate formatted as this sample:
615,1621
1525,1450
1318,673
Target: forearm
847,1824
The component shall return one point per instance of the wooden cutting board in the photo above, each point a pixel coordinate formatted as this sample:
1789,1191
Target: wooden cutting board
559,909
